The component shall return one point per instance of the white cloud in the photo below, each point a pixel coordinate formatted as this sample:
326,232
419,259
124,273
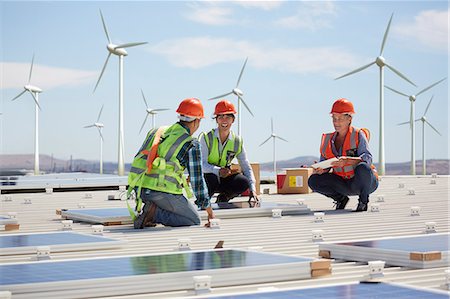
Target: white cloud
430,28
265,4
210,14
15,75
310,15
204,51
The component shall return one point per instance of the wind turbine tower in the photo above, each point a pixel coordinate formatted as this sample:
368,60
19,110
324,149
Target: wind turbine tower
412,99
236,91
150,111
99,127
34,91
273,136
118,50
380,61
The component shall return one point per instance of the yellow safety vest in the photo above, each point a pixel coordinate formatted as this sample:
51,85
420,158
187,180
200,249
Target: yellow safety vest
232,148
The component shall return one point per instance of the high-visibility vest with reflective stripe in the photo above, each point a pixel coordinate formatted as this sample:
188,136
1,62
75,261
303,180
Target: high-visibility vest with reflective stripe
232,148
349,149
166,174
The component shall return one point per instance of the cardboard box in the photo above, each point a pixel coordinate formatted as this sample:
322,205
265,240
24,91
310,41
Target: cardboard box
295,181
255,168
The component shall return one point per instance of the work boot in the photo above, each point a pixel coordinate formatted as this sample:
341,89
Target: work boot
223,197
145,219
342,203
362,207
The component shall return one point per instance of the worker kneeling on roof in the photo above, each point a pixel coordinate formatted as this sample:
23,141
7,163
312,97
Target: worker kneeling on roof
353,173
156,173
219,147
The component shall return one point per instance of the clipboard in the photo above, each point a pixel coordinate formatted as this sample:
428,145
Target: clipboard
324,164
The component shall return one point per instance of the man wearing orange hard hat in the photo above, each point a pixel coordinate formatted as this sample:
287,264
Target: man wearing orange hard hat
156,174
353,172
219,147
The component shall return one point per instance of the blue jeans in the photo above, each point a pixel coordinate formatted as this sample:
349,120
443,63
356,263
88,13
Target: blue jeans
171,209
331,185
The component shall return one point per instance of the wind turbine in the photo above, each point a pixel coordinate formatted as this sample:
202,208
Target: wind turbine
34,91
99,127
151,112
118,50
273,136
412,99
236,91
381,62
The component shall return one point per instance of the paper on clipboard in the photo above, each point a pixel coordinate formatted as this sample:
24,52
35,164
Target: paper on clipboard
325,163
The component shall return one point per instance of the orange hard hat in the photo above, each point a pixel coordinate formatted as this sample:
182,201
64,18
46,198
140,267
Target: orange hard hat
224,107
343,106
191,107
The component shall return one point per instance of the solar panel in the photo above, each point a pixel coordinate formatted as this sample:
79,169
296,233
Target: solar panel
116,216
150,273
420,251
58,241
357,290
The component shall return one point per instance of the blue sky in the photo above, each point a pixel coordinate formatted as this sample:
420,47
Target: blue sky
295,49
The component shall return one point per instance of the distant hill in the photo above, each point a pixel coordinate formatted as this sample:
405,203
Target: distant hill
25,163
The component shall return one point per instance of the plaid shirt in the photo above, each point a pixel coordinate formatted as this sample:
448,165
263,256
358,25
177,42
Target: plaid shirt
193,163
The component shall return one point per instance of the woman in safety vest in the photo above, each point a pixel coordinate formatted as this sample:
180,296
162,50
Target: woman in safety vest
156,173
219,147
353,173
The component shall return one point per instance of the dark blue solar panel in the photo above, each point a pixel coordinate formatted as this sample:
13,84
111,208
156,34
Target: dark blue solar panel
353,291
48,239
127,266
107,213
4,218
424,243
246,204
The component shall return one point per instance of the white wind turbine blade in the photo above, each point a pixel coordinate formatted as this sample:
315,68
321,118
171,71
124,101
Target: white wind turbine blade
104,27
127,45
386,34
103,70
100,132
143,124
428,106
276,136
242,71
31,70
17,96
243,102
160,109
145,101
35,100
396,91
399,74
355,71
432,85
404,123
221,96
100,113
271,124
432,127
266,140
90,126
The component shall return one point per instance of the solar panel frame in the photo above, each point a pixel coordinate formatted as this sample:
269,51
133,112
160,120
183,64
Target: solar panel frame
161,282
102,243
83,215
392,257
7,220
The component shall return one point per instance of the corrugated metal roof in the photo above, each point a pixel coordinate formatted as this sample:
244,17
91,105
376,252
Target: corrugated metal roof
289,235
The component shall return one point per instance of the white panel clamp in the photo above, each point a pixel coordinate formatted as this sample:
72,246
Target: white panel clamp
7,198
401,185
49,190
411,191
375,207
376,269
380,198
122,188
202,284
266,191
276,213
214,223
430,227
27,200
434,175
317,235
66,224
81,205
97,229
88,195
184,244
415,211
43,253
12,215
300,201
433,182
318,216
